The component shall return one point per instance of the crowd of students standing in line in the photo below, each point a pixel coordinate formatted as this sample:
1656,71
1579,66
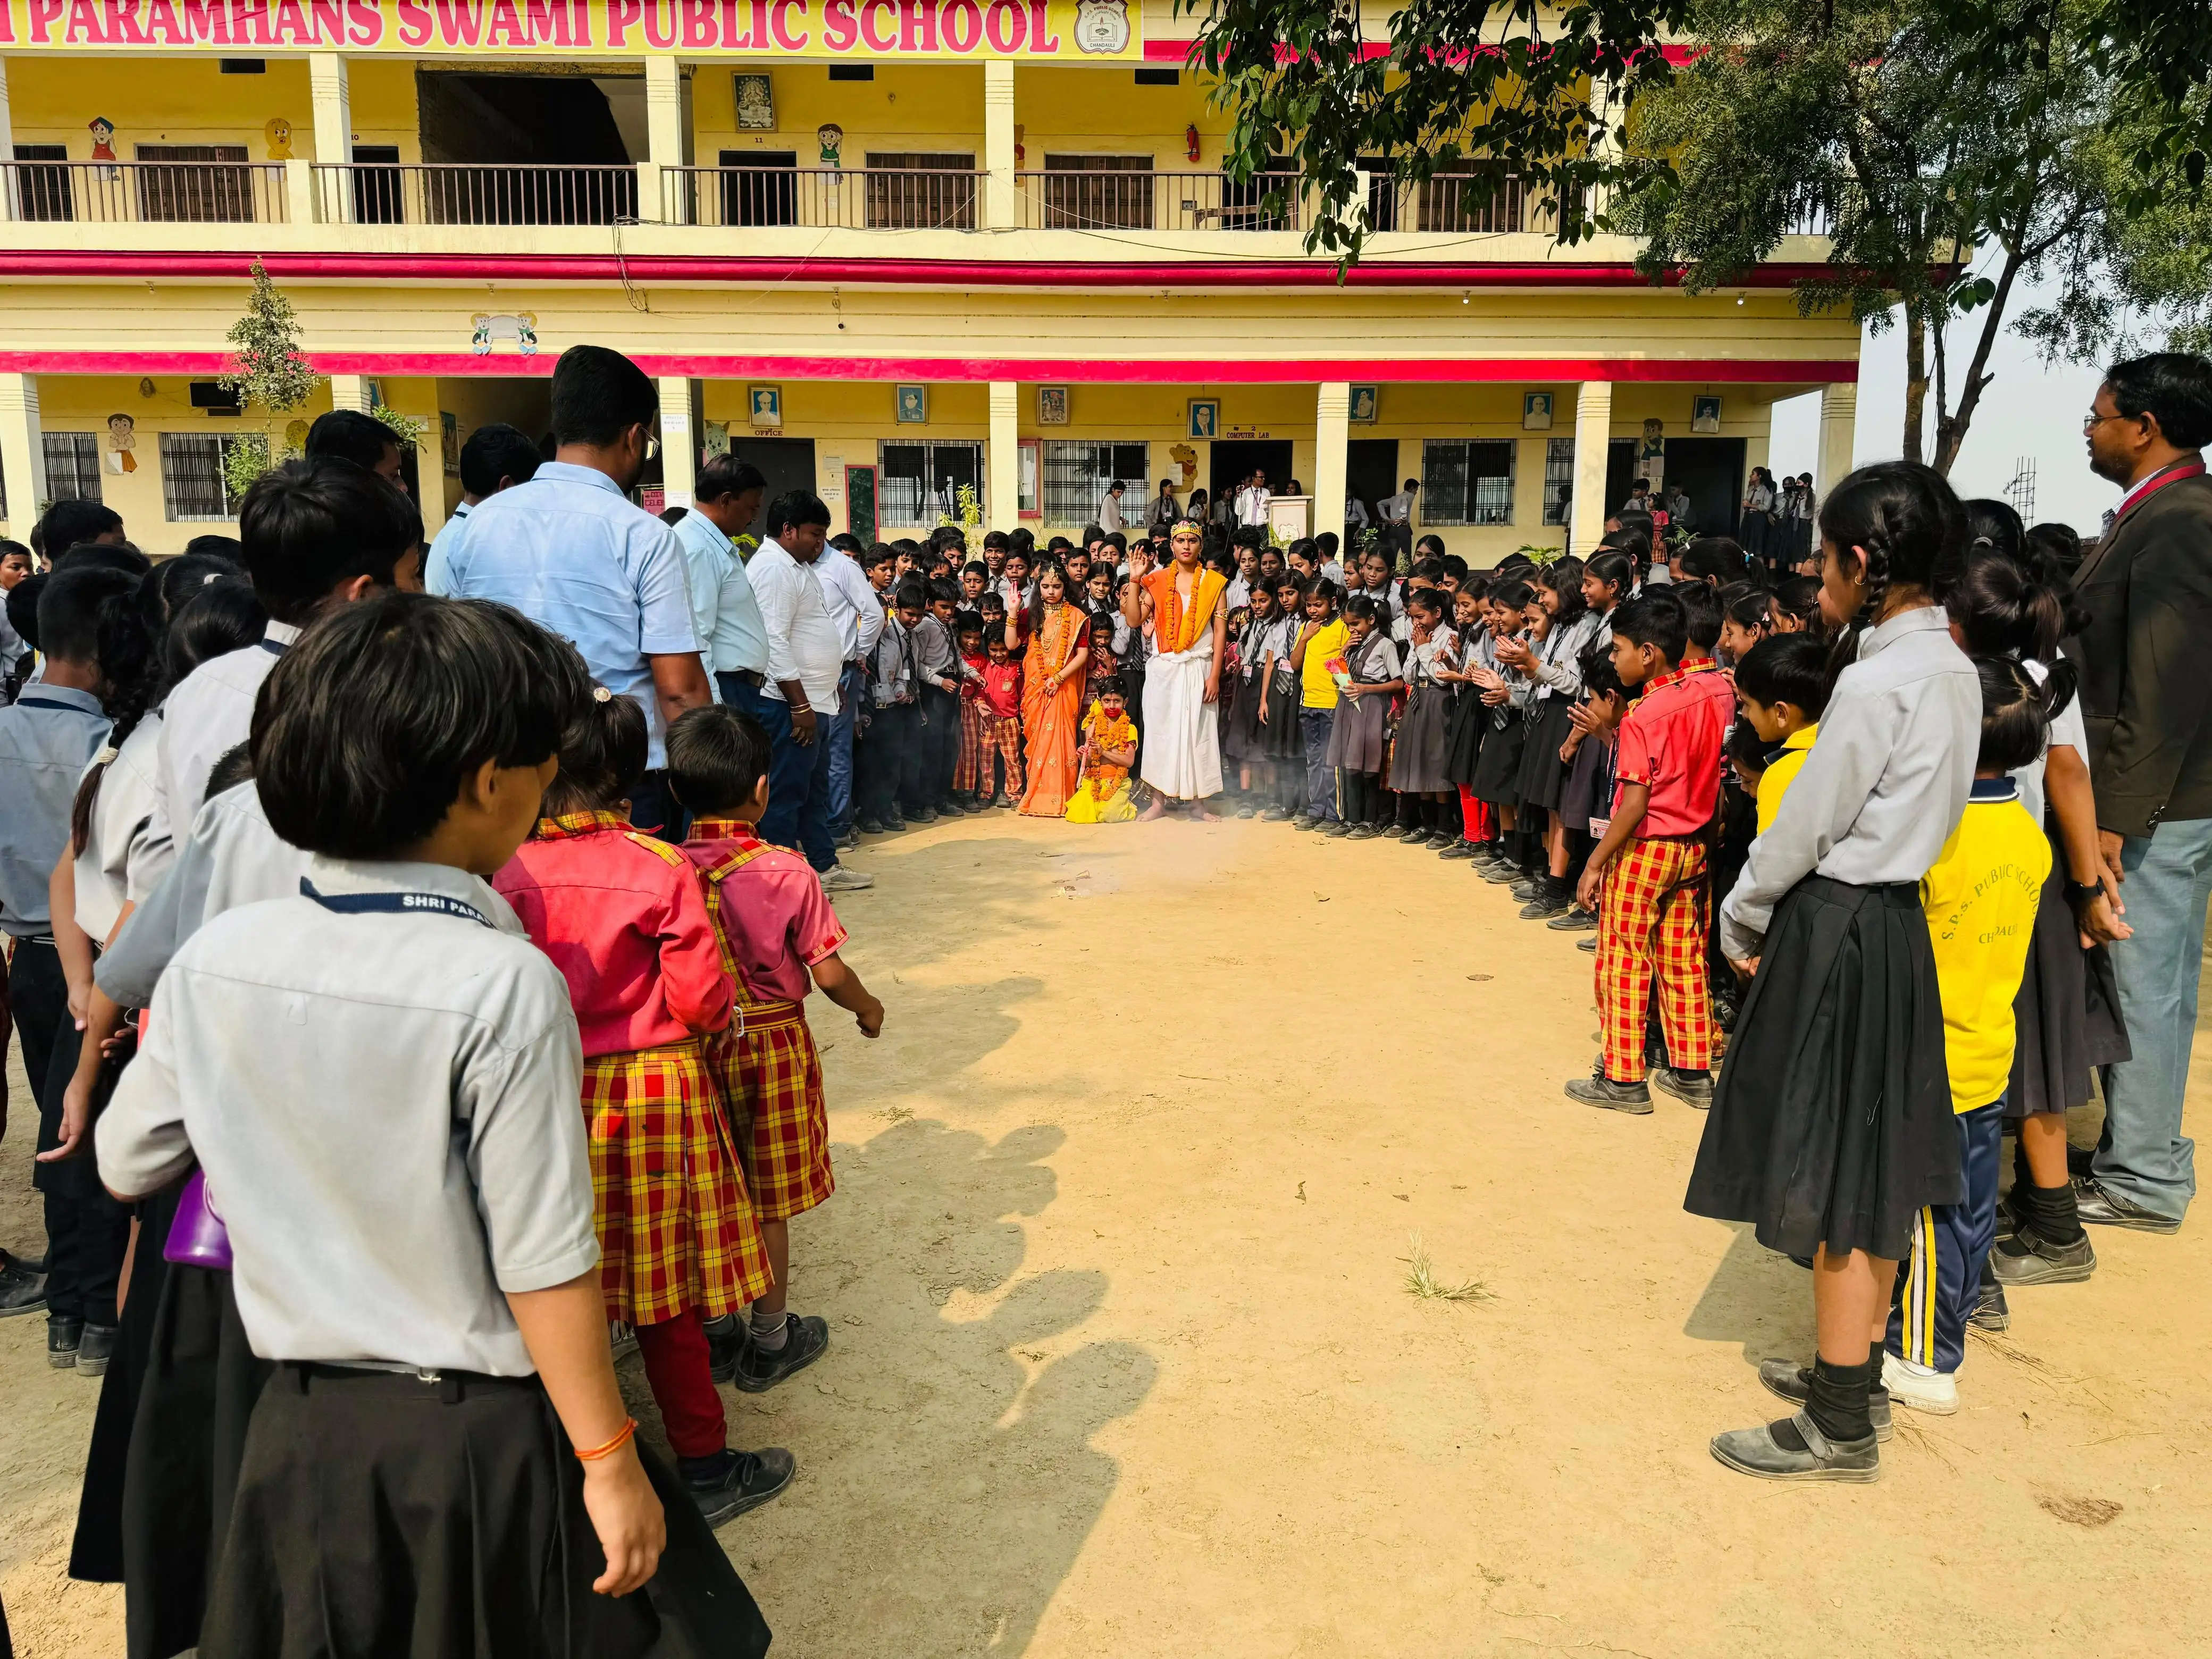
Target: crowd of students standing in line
389,1081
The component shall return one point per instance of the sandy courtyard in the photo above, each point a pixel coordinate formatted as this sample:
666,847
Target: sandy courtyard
1123,1362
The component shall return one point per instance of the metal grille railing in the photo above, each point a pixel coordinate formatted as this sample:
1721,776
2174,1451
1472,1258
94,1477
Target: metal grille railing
850,198
145,192
1121,200
473,193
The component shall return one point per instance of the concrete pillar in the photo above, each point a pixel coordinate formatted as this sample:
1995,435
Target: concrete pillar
23,453
664,133
1840,414
1332,433
300,190
1593,432
7,145
328,90
350,391
1002,508
679,441
999,202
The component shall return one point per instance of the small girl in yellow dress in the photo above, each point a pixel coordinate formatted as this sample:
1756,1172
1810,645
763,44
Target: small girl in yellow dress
1109,750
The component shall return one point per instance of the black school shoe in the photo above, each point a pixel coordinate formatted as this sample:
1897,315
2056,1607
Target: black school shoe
728,1483
1690,1088
1793,1382
2024,1256
804,1341
1573,919
62,1335
1990,1313
94,1348
22,1289
1599,1090
2099,1206
1762,1452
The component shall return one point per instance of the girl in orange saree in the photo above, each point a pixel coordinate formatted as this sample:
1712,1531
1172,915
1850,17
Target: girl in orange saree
1052,692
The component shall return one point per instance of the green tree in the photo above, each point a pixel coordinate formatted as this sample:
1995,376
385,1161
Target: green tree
1948,169
268,372
1486,89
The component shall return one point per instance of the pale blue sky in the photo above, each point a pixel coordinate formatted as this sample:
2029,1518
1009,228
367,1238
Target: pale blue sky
2028,410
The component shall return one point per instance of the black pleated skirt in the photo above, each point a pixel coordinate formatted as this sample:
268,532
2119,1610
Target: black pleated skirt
2067,1016
1417,763
1279,736
1498,771
378,1514
1543,774
1831,1122
1464,729
1244,738
1578,794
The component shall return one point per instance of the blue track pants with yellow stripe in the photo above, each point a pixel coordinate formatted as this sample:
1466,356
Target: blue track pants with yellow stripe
1938,1285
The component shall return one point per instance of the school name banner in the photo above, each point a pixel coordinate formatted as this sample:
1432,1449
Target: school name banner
1069,31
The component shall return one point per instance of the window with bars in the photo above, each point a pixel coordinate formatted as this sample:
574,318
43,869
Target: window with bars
1558,478
45,193
1076,475
921,482
1081,191
204,183
72,465
1466,481
195,484
921,190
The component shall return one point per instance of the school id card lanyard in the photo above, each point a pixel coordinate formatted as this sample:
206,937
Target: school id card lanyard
403,903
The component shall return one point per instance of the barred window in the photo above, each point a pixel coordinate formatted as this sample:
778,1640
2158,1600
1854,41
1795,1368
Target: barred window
921,482
1077,473
194,485
921,190
1558,478
1467,481
72,466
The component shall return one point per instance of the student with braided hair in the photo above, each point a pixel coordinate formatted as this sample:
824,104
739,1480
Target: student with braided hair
1832,1123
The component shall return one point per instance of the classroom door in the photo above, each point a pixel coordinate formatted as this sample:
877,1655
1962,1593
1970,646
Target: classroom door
787,463
1711,470
1235,458
1370,473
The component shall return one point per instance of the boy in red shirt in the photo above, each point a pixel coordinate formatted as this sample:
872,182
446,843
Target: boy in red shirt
622,917
1647,879
775,928
998,714
972,774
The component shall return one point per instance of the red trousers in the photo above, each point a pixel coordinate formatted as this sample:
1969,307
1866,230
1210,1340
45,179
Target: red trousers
675,1355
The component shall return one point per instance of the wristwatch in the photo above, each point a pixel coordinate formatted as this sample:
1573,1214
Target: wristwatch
2080,892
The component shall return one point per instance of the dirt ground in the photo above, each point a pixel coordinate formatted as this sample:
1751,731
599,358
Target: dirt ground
1123,1361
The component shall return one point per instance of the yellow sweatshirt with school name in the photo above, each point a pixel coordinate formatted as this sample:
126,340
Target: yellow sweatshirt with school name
1781,770
1980,896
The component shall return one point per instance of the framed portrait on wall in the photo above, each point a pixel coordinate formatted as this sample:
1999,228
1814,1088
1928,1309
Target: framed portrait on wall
765,405
1535,411
1204,418
913,405
755,104
1366,404
1705,414
1052,405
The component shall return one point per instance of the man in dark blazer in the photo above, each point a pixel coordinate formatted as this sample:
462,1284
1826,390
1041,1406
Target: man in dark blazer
2146,660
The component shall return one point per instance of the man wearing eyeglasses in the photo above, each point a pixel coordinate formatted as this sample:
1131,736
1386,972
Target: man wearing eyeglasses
2147,701
570,551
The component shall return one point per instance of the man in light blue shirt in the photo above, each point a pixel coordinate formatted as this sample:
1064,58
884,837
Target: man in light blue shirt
497,457
724,612
569,551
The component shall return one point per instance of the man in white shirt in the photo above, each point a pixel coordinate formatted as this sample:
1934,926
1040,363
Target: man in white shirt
497,457
806,662
733,644
1109,516
1252,500
1397,513
858,610
316,533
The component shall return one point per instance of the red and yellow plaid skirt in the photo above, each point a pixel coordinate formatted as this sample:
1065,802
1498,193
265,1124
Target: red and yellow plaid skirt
676,1229
771,1076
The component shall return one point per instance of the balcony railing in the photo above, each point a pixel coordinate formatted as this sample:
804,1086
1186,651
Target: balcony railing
145,192
1461,204
473,193
1103,200
849,199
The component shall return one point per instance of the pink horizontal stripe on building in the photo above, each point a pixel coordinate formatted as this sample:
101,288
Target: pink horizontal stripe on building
1077,371
904,273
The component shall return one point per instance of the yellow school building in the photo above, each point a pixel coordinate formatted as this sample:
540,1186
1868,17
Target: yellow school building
916,254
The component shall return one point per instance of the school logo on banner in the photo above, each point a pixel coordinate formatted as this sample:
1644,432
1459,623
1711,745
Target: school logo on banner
1102,26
